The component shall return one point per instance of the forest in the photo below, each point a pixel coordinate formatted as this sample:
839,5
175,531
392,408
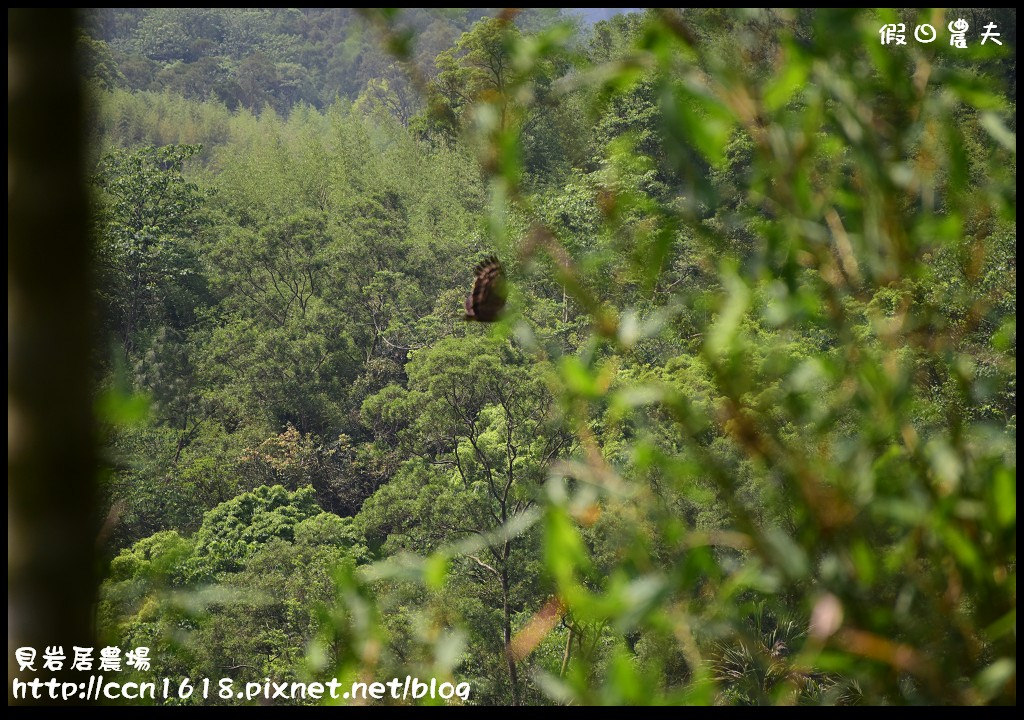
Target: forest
743,433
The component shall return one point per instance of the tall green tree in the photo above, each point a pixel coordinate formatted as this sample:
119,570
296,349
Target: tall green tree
149,215
480,423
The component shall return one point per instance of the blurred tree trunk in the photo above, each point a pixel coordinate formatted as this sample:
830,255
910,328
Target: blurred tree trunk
50,454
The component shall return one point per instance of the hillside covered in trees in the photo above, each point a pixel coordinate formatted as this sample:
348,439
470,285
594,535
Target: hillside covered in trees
745,433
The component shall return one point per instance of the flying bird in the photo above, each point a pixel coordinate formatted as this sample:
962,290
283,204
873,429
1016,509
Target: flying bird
484,304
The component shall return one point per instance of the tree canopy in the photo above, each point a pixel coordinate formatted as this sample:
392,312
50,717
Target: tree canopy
744,434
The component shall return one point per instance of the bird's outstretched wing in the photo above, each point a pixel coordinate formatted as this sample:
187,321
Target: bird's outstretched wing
486,301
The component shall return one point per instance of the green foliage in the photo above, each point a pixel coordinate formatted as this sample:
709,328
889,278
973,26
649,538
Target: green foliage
160,555
744,435
148,212
245,588
827,407
233,530
266,57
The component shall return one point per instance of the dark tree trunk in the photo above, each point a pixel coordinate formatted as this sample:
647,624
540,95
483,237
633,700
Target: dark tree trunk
513,676
50,460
